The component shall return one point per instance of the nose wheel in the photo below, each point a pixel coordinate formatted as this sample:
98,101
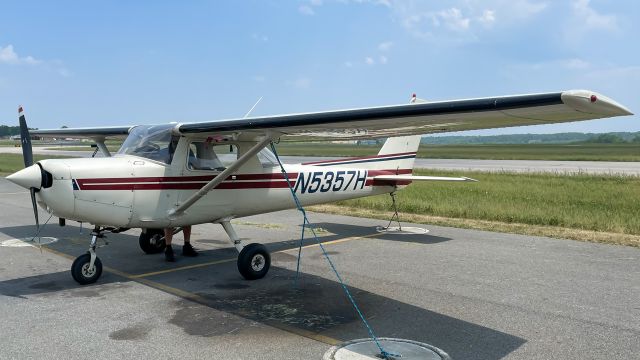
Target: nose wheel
84,272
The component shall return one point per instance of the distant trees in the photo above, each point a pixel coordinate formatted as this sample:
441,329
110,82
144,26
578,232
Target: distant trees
559,138
9,130
606,139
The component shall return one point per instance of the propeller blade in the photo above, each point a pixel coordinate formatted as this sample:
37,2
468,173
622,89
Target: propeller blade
35,208
25,139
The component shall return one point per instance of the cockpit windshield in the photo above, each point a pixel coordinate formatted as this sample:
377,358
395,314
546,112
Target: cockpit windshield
153,142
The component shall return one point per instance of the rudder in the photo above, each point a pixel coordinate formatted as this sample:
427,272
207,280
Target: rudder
400,152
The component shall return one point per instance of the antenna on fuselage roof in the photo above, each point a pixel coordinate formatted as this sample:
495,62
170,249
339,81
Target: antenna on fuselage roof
253,107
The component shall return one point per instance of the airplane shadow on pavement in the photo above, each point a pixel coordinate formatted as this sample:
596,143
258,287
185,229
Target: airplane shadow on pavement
316,305
359,230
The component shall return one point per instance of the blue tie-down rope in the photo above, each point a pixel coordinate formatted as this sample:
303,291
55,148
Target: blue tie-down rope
385,354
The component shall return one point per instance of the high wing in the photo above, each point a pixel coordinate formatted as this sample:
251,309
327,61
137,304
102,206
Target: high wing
400,120
98,133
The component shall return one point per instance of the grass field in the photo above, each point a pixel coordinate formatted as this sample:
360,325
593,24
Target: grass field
582,207
606,204
10,163
8,142
566,152
585,152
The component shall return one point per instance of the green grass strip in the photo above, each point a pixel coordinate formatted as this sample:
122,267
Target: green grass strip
585,202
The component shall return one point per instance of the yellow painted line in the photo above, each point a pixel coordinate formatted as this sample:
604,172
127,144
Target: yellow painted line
337,241
195,266
210,263
105,268
56,252
183,268
203,301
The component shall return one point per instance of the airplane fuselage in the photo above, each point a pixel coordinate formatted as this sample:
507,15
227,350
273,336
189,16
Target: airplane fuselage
129,191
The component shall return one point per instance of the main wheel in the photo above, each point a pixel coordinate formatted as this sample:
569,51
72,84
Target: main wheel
254,261
152,241
82,273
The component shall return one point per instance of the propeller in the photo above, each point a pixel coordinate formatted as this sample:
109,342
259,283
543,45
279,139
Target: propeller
27,154
25,139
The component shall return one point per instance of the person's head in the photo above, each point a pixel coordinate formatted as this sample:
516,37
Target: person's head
174,143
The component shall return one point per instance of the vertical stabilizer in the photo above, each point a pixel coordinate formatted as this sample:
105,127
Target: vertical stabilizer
400,152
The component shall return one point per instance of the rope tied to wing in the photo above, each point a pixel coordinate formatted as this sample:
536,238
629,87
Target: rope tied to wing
383,353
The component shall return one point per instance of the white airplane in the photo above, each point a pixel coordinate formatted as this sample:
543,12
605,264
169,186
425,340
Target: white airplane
175,175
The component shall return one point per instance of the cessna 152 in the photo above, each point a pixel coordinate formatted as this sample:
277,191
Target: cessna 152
175,175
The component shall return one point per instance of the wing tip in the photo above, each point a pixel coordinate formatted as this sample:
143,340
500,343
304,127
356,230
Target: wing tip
591,102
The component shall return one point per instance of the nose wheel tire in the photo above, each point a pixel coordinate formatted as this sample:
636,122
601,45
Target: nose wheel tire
254,261
152,241
84,274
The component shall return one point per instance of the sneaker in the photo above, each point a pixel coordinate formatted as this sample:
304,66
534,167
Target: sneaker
188,250
168,254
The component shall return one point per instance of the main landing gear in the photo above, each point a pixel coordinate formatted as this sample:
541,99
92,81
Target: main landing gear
253,259
151,241
253,262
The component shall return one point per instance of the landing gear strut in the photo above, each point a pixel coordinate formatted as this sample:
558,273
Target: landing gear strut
253,259
87,268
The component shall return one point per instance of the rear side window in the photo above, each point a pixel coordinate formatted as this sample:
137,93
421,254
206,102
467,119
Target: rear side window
204,155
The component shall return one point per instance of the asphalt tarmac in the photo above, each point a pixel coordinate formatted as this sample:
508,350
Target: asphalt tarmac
474,294
548,166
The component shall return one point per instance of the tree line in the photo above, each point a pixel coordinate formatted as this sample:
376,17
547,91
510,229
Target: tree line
559,138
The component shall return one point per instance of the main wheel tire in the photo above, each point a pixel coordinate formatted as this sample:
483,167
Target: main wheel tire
151,241
254,261
82,273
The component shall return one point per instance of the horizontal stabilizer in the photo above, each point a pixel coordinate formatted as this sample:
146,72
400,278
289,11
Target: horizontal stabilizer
419,178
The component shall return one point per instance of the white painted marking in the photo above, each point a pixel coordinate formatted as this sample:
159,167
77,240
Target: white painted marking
15,193
26,242
405,230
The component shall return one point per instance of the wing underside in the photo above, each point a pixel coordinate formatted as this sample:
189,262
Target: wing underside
398,120
97,133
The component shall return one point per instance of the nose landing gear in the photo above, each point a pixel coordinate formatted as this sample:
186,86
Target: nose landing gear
87,268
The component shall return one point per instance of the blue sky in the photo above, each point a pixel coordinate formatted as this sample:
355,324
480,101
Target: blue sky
123,62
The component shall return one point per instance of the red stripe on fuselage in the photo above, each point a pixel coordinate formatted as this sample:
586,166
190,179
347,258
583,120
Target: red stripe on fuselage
189,186
389,172
203,178
241,181
358,158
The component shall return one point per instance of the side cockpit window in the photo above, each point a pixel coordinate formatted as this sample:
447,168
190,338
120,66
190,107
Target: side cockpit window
204,155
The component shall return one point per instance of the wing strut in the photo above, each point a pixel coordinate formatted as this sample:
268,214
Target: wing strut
103,148
220,178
